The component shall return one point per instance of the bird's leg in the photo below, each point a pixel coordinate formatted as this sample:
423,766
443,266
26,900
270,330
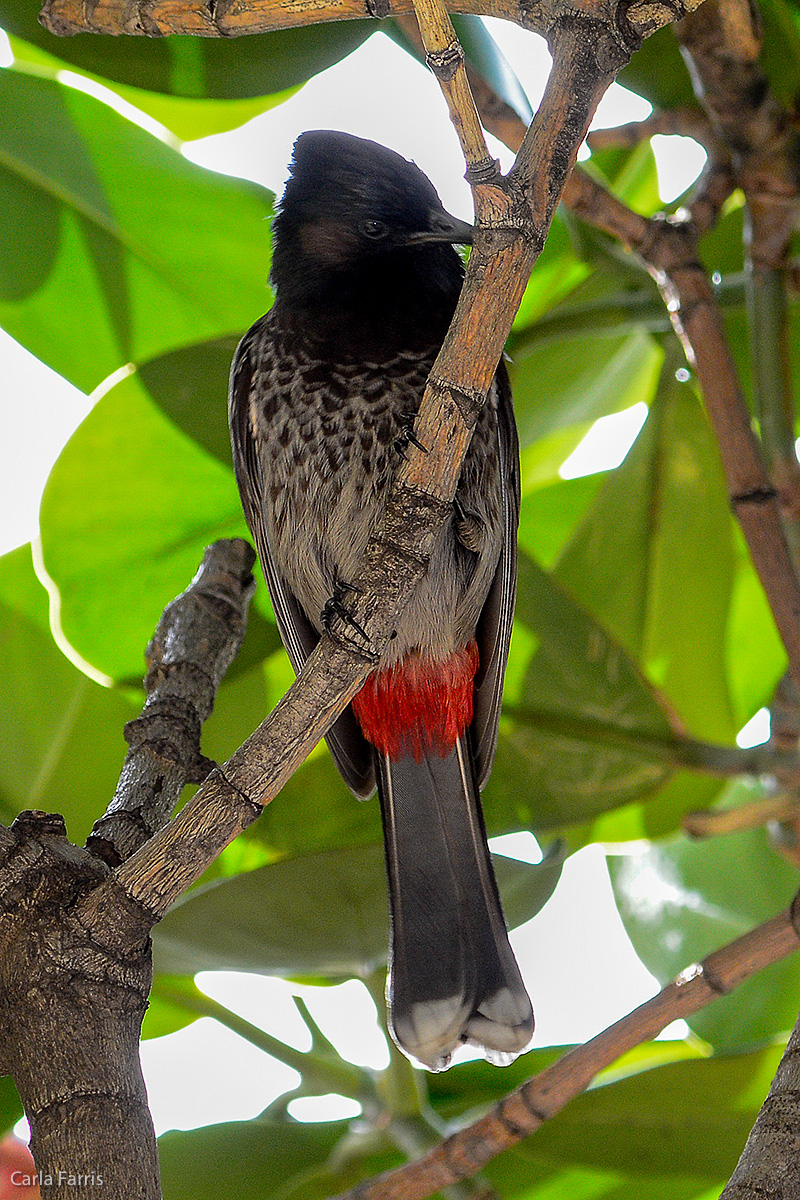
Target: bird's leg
469,529
336,607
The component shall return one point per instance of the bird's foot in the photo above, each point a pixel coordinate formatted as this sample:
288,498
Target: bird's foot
337,608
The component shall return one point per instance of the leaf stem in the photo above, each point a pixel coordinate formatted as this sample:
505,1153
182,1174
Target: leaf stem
672,749
322,1071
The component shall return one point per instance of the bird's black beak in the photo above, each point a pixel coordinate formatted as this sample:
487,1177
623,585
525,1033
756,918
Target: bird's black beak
442,227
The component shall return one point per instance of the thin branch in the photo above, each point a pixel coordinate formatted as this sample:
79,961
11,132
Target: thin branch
523,1111
685,122
196,640
668,249
445,57
673,749
708,823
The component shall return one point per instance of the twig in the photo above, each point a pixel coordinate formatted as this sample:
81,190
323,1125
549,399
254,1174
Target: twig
672,749
714,822
685,122
444,56
522,1112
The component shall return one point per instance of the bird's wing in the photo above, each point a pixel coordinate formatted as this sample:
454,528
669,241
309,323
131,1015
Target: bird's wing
351,753
494,627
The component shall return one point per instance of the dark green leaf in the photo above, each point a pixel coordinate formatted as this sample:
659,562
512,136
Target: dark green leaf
577,671
780,54
189,386
666,597
186,118
657,72
243,1160
323,914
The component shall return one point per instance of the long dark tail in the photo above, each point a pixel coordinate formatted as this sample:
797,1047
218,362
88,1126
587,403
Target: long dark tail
453,975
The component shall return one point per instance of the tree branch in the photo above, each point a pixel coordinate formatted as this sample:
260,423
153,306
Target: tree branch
539,1099
237,18
198,637
721,44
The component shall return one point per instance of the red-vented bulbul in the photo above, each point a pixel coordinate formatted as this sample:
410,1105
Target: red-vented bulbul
324,392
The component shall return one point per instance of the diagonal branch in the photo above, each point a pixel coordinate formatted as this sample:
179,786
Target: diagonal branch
539,1099
198,636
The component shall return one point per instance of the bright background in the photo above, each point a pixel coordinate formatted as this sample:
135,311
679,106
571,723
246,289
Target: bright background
579,964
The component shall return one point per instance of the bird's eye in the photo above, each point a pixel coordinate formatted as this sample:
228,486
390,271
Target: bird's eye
374,229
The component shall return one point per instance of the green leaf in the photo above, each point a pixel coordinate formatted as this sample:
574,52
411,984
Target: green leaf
573,382
323,914
243,1160
636,183
10,1105
20,591
550,514
104,220
674,1131
230,68
164,1014
666,597
151,500
558,273
756,656
682,899
577,672
49,714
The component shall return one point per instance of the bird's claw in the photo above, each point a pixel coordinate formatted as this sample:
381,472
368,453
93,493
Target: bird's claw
407,437
336,607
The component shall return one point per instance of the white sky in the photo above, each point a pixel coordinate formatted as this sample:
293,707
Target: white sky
581,969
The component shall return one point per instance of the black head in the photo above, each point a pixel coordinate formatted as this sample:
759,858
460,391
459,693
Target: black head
363,230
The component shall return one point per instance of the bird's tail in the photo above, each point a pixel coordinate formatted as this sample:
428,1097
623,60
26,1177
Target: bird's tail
453,975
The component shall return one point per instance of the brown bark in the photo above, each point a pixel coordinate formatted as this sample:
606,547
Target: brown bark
75,965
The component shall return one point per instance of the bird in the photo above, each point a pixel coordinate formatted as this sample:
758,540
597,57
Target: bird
324,392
